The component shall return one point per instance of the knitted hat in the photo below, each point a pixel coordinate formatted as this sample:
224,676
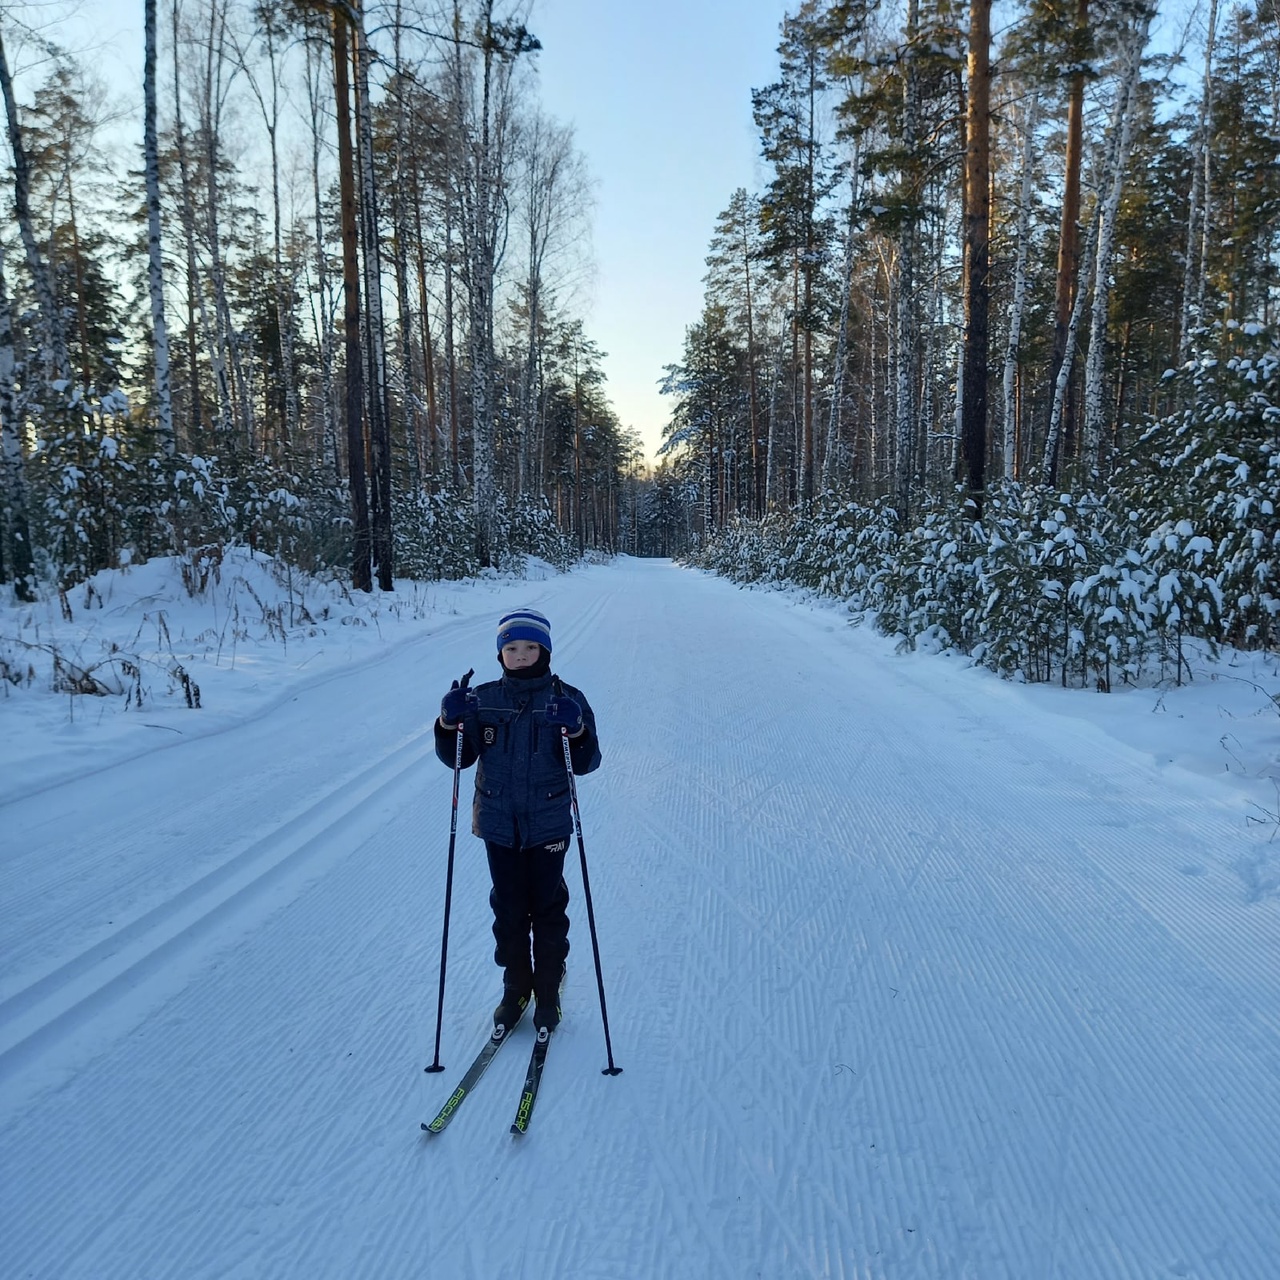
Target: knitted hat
524,624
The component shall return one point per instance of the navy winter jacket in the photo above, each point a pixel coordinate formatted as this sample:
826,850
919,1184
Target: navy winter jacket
522,793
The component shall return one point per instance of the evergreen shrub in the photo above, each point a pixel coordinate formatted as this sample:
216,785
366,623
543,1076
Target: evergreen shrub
1088,588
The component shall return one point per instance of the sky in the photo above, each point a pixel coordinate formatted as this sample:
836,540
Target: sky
659,94
911,971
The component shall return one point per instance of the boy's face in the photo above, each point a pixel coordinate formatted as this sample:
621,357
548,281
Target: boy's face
520,653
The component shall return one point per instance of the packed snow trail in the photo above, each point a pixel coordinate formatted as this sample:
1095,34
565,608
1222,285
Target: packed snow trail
905,983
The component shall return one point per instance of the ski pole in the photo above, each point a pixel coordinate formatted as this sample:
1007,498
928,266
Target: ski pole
437,1065
610,1070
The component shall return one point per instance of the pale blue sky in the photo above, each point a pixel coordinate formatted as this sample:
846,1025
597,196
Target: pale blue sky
659,93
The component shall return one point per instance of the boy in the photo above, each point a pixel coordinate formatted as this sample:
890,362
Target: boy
514,727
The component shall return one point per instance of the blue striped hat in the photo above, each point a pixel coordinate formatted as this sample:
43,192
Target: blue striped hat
524,624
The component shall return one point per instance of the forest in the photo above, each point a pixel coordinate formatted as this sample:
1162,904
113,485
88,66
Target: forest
991,353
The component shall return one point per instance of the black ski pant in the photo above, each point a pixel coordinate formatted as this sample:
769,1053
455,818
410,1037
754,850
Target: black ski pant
530,919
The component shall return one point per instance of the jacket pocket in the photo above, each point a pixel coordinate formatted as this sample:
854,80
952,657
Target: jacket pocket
489,799
494,729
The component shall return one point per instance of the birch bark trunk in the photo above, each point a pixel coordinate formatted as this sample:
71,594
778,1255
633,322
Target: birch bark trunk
1029,119
269,106
905,390
1192,272
977,249
831,455
54,353
155,260
1101,227
323,319
1067,285
1095,360
15,533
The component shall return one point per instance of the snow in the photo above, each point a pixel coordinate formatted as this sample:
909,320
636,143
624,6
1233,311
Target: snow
912,972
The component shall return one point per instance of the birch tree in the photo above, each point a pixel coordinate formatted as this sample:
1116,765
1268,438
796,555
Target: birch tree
553,192
322,318
196,304
977,177
485,111
55,358
270,31
1094,407
831,462
905,390
1027,118
1101,235
15,531
214,77
1077,46
155,259
1198,218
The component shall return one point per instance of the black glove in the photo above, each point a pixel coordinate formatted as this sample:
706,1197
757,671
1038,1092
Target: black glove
455,703
564,713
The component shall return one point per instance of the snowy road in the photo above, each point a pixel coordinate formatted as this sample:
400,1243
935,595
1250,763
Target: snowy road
905,983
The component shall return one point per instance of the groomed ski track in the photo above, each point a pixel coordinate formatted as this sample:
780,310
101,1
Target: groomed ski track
905,984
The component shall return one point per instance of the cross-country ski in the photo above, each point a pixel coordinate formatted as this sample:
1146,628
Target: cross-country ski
480,1064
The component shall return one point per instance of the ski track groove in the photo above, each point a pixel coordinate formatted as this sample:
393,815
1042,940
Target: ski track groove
59,1002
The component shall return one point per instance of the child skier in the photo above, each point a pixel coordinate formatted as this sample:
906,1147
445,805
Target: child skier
514,727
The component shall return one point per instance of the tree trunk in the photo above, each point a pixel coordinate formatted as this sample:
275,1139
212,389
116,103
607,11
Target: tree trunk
1126,100
759,458
224,335
282,294
809,445
155,261
905,407
1192,270
977,284
480,213
82,315
1068,235
830,458
1009,422
195,292
324,327
376,399
55,357
361,548
15,533
428,351
1057,409
402,189
283,291
457,476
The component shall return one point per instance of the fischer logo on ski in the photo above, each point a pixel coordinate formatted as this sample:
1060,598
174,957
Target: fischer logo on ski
533,1077
468,1082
